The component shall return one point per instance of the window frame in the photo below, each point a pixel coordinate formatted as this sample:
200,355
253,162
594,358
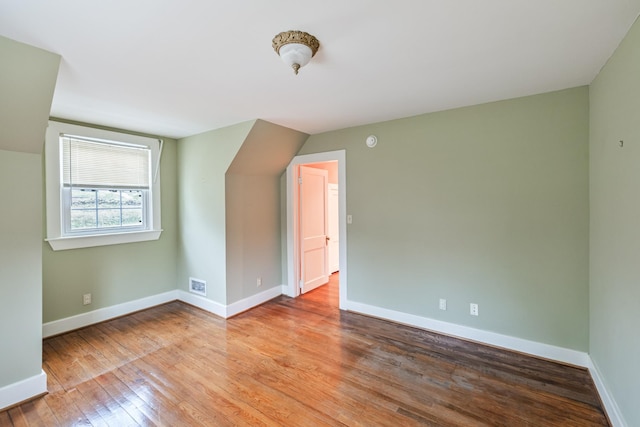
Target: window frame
57,237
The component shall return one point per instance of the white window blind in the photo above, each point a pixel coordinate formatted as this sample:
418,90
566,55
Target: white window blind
96,164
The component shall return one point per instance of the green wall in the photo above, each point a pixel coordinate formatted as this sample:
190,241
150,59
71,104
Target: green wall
485,204
20,266
252,234
253,212
118,273
229,188
615,234
203,161
27,81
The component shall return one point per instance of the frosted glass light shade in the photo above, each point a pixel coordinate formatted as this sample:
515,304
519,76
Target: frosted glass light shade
296,48
295,55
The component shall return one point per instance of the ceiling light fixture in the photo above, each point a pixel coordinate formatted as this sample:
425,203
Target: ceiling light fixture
296,48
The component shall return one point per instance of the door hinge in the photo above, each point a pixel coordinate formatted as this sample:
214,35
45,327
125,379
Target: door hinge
301,283
300,180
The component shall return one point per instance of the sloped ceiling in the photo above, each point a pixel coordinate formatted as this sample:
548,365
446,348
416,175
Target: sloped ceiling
27,80
267,150
178,68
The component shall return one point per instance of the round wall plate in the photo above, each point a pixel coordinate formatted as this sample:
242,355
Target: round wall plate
372,141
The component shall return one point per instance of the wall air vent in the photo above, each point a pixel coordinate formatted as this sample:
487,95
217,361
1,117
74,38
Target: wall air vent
197,286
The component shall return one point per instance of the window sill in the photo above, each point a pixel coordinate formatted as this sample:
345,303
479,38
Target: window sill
78,242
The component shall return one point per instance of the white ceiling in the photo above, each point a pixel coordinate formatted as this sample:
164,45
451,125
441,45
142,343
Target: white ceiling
180,67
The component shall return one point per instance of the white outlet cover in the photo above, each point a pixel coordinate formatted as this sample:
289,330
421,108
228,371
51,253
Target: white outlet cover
443,304
473,309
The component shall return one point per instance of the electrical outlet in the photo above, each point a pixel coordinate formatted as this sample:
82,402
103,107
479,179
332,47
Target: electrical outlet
86,299
443,304
259,282
473,309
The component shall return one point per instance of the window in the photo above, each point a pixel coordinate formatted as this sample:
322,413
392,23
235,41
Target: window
103,187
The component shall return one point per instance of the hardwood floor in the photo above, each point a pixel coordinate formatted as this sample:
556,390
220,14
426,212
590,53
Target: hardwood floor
295,362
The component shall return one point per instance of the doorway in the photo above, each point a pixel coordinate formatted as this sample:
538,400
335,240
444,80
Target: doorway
313,220
292,288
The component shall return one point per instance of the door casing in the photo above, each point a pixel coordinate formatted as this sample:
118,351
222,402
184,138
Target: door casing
292,288
333,229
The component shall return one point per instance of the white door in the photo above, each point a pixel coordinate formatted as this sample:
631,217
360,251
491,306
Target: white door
333,220
314,262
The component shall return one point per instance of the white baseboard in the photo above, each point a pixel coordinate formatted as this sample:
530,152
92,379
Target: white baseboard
546,351
203,303
26,389
232,309
610,405
100,315
37,385
253,301
530,347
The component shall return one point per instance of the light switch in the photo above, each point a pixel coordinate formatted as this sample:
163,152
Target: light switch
349,219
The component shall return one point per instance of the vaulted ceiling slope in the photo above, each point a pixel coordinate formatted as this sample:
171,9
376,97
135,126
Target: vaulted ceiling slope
178,68
27,81
267,150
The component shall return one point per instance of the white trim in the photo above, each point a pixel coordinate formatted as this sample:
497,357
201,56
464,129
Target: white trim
37,385
88,241
100,315
292,289
560,354
54,202
330,189
226,311
253,301
547,351
610,405
204,303
291,284
21,391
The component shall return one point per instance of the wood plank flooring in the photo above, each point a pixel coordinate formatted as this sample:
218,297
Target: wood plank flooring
295,362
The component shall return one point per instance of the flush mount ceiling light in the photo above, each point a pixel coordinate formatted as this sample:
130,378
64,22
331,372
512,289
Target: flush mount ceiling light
296,48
